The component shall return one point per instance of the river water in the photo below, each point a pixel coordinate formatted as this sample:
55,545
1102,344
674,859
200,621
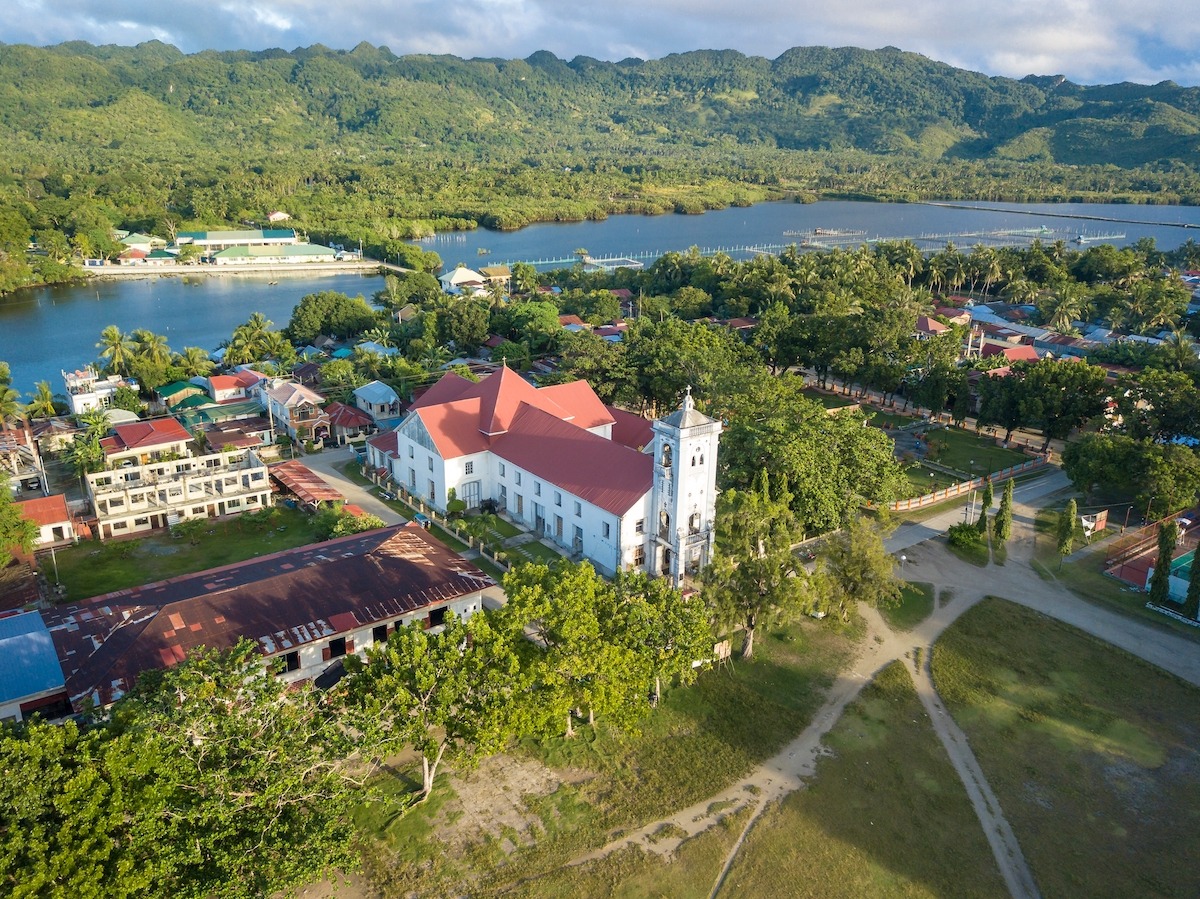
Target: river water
46,330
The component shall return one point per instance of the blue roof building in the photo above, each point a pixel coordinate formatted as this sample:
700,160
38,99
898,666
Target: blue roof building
31,680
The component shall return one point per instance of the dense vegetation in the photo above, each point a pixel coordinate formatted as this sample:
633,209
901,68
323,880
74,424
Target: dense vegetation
364,145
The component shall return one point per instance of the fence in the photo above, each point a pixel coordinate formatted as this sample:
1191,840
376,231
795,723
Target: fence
965,487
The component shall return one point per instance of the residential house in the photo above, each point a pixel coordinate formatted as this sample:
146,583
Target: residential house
140,442
462,280
548,458
347,422
378,400
277,216
52,517
498,274
928,328
274,254
171,395
86,390
253,432
1020,353
159,494
31,680
296,411
232,388
306,609
308,374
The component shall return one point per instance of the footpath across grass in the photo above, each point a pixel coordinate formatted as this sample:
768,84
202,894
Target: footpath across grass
700,739
885,815
1093,754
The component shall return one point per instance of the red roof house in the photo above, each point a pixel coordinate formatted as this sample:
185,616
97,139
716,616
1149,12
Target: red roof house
142,441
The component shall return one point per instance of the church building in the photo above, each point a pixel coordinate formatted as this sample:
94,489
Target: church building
597,481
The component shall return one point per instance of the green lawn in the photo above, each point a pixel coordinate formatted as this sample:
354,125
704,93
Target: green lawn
926,480
884,816
698,740
92,568
1092,753
880,419
534,551
916,603
959,449
828,400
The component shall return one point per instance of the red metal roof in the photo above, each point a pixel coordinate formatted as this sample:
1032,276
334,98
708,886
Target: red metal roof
45,510
1022,353
344,416
139,435
606,474
629,429
282,601
304,482
930,325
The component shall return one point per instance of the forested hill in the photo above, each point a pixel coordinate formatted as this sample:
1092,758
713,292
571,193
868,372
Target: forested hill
883,101
363,144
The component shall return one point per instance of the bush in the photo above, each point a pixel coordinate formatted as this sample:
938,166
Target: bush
964,535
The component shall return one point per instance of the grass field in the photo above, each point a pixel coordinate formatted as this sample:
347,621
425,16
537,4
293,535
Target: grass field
916,604
828,400
698,740
92,569
926,480
1093,754
884,816
963,451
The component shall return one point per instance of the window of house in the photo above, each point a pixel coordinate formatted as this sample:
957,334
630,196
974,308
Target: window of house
379,633
437,617
578,509
430,461
518,478
410,452
557,498
337,647
640,526
694,523
412,479
469,468
639,556
501,469
432,491
291,661
537,488
606,530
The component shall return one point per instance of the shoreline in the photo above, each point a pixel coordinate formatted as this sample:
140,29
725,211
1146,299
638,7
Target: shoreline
126,272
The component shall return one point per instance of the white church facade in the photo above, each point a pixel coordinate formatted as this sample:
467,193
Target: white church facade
598,482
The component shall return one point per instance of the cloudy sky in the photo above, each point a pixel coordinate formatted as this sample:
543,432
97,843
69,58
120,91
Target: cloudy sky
1089,41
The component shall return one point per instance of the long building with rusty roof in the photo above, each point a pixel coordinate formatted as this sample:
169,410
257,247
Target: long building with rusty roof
306,607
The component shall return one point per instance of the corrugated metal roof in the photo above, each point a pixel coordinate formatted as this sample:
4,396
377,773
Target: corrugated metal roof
45,510
281,601
28,662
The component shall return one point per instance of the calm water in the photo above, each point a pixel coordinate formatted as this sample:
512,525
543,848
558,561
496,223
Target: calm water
47,330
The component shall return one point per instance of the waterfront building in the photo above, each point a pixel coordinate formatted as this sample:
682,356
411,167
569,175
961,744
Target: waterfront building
86,390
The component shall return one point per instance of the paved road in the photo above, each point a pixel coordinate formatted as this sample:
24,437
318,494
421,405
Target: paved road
323,464
910,533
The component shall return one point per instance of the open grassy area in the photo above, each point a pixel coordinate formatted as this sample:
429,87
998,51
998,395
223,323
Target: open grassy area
1093,754
885,815
634,873
534,551
698,740
965,452
828,400
880,419
926,480
916,604
92,568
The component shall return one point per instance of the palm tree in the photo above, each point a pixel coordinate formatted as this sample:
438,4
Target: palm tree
381,336
194,362
10,404
95,422
1180,350
42,404
115,347
151,347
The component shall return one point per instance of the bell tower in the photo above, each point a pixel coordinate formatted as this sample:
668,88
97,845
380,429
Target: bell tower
684,505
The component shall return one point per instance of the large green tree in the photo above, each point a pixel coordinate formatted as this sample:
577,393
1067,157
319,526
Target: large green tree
754,577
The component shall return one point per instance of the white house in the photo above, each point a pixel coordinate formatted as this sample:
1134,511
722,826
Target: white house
52,517
377,399
547,456
86,390
462,280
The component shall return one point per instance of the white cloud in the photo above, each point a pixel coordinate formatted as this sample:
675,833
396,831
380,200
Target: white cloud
1089,41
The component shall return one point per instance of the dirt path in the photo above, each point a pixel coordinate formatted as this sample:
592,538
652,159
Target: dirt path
966,585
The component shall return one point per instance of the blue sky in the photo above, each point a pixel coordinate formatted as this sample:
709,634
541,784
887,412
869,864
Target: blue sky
1089,41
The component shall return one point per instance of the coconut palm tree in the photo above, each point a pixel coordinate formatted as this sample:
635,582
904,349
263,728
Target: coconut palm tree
95,421
151,347
379,335
194,362
42,403
116,348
